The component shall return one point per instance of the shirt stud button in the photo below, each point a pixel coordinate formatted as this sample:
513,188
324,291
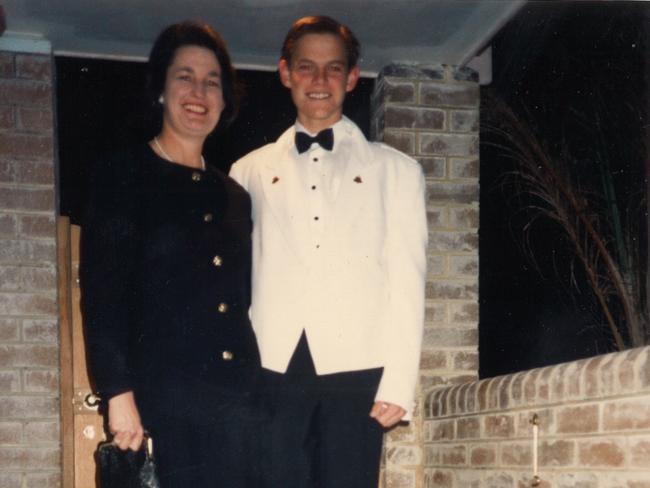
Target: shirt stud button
217,261
196,176
227,355
207,217
223,307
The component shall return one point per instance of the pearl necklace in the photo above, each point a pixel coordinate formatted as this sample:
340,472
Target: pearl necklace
164,153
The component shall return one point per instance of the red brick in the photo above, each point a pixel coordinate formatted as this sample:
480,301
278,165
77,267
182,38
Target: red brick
504,392
31,119
530,385
483,456
11,433
591,376
402,141
557,453
558,381
34,67
37,226
40,330
442,430
11,480
43,480
25,278
574,420
396,117
449,145
464,313
440,479
8,225
400,479
9,329
27,252
468,428
27,304
23,407
608,384
494,391
7,171
32,173
644,370
435,167
516,454
499,426
464,168
41,432
41,199
626,415
27,93
640,452
464,121
433,360
453,455
9,381
28,457
450,337
7,118
471,403
26,146
41,381
431,455
7,65
543,383
449,95
638,484
28,355
482,394
463,217
500,480
603,454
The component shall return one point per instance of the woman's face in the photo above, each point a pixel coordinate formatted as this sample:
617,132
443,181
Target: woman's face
193,96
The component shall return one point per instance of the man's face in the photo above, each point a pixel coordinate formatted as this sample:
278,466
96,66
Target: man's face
319,78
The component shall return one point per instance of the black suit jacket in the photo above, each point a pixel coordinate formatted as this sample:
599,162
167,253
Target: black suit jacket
165,277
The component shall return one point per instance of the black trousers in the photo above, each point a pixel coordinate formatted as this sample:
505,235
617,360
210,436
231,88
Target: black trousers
320,434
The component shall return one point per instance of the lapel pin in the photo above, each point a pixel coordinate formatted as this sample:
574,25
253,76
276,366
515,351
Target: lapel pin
358,179
275,180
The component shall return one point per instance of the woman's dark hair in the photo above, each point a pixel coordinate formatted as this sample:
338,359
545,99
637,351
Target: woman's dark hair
190,33
320,24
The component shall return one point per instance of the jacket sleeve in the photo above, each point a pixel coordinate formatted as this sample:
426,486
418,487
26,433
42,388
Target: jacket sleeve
108,253
406,245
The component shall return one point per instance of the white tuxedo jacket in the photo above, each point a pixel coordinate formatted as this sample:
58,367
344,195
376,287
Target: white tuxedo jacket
359,295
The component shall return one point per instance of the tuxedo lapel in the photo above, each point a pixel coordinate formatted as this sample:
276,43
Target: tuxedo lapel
281,187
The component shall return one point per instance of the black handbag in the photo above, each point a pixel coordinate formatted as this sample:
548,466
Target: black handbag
127,469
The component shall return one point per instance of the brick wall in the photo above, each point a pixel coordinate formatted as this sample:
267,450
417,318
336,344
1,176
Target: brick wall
594,429
29,383
431,113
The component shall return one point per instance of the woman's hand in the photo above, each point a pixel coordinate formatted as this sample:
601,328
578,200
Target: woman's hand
124,421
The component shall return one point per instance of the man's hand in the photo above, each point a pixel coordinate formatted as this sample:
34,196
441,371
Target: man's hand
124,421
387,414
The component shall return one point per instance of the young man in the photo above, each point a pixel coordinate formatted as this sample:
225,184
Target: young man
338,273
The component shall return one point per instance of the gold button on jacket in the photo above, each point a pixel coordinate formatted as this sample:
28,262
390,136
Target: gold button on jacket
196,176
227,355
217,261
223,307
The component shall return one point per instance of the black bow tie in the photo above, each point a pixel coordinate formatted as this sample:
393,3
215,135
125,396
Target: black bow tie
325,138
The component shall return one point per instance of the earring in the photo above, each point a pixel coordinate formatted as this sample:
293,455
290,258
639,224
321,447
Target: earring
161,99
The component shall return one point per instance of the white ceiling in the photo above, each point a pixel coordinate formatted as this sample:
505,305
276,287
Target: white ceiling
415,31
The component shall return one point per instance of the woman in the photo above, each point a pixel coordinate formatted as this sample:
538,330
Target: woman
165,278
